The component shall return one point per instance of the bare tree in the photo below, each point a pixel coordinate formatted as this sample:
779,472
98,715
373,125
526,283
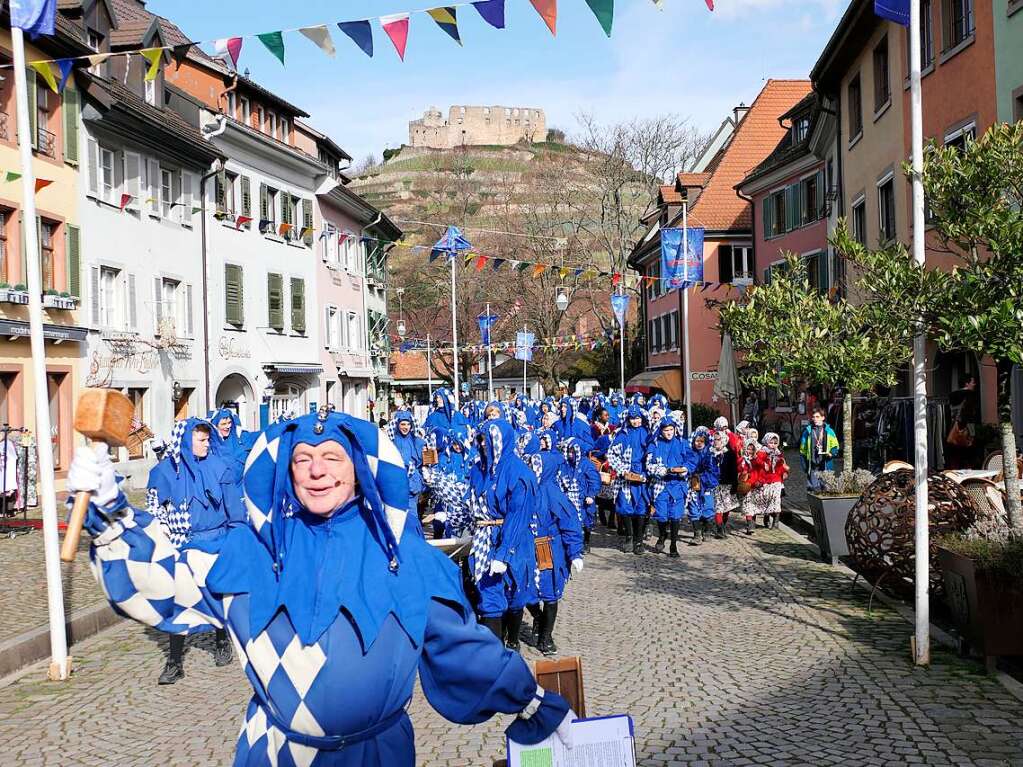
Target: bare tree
367,163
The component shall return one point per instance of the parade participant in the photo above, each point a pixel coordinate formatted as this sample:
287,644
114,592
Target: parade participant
600,424
658,400
669,460
502,495
194,495
580,481
703,480
734,437
818,448
333,606
448,480
627,455
615,408
638,399
559,533
726,460
442,413
571,424
750,480
227,441
402,431
654,415
773,470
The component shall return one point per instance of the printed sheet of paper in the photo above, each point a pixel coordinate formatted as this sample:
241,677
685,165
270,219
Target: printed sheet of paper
600,742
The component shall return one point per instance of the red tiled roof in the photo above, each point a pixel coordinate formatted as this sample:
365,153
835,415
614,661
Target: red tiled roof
410,366
719,207
693,179
669,196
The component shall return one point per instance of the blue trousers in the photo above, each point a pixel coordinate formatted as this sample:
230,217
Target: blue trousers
667,508
701,505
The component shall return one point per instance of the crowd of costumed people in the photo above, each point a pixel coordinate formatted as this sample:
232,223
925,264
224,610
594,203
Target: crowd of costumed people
316,533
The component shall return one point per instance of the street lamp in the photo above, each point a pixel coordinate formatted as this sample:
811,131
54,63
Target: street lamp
401,314
401,329
561,300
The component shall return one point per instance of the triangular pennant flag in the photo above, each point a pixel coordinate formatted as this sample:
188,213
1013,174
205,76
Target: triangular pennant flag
125,199
264,225
321,38
481,261
360,32
522,266
241,221
538,270
615,279
152,200
97,58
396,27
274,42
219,215
11,176
492,12
447,20
42,183
234,49
306,232
179,53
66,66
283,229
604,10
548,10
710,4
498,263
153,56
467,259
563,272
196,209
46,72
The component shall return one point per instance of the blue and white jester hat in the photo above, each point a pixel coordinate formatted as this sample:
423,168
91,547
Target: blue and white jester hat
379,471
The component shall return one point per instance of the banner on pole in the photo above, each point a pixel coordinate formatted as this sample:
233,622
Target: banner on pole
486,321
524,345
620,305
681,267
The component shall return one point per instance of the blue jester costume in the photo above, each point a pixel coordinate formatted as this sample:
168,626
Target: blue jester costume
442,411
669,489
230,449
333,616
701,495
627,455
573,424
410,446
449,480
580,480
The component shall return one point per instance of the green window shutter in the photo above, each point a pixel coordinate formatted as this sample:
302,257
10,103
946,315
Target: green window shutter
821,192
767,275
768,215
298,305
264,203
30,81
275,301
220,187
307,222
233,294
246,192
73,251
70,107
823,276
791,207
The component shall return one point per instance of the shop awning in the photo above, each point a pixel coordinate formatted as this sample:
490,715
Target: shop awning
287,368
10,328
668,381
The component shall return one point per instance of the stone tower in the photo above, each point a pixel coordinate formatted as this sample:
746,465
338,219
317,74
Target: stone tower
476,126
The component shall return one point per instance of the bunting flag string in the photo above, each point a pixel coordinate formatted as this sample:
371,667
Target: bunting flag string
447,20
548,10
577,342
321,38
396,27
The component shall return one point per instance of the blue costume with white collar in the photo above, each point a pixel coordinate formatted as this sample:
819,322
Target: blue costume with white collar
333,617
410,446
701,502
442,412
580,480
230,449
555,517
669,490
572,424
627,454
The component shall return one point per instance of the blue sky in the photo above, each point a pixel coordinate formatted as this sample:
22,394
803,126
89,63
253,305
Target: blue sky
682,59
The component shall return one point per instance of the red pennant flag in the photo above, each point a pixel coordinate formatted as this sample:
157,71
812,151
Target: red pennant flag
615,279
710,4
125,199
241,221
548,10
396,27
234,48
283,229
538,270
42,183
480,263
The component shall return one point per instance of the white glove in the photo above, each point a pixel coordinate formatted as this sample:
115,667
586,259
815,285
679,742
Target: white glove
589,501
577,565
498,568
92,471
440,516
564,731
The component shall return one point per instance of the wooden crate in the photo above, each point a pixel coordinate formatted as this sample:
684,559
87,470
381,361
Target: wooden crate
565,677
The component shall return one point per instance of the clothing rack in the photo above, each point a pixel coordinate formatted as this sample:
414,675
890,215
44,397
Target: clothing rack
5,492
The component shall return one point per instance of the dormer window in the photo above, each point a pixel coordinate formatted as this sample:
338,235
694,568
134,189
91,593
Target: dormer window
800,128
95,40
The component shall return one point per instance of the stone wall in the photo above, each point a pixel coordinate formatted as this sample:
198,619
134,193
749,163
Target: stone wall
475,126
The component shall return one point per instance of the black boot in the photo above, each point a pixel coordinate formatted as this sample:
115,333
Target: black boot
586,540
662,534
175,667
531,634
695,540
724,525
495,625
222,653
638,524
719,530
627,542
512,624
673,552
550,615
704,524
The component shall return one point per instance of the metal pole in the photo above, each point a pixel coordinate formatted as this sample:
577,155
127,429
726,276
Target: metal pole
429,370
922,638
524,355
685,319
207,397
59,666
621,350
454,329
490,364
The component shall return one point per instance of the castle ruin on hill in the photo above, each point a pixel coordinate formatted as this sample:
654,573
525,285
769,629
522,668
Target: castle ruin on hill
476,126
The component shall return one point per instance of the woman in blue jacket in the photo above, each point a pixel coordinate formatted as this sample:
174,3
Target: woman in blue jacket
580,480
442,411
402,431
227,441
669,460
703,480
627,456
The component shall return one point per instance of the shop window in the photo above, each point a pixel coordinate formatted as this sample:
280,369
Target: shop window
7,381
47,254
138,401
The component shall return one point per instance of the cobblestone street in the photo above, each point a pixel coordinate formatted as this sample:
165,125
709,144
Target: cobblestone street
743,652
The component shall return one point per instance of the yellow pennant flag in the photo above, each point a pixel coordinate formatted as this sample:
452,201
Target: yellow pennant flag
563,272
44,70
97,58
153,56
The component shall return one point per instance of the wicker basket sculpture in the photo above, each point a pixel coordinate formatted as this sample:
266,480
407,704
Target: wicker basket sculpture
880,526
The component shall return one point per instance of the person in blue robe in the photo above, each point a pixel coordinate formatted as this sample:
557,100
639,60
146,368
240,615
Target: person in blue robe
448,481
669,460
402,431
195,495
703,478
571,424
333,607
227,441
580,481
627,456
442,411
638,399
615,407
502,495
556,523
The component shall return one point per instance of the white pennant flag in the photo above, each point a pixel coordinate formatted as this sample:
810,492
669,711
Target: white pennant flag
321,38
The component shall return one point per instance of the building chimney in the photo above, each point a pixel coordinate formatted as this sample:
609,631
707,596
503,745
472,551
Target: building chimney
739,112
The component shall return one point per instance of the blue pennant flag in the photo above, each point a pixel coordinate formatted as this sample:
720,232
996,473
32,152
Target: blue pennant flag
450,244
65,66
492,12
486,321
361,34
893,10
37,17
620,305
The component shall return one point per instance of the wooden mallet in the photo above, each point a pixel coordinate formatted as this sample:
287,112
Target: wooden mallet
102,415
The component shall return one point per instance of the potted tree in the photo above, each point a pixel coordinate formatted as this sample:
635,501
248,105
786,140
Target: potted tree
50,298
830,508
18,294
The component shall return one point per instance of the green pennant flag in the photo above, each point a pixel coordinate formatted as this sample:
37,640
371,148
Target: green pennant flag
12,176
196,209
274,42
604,10
522,266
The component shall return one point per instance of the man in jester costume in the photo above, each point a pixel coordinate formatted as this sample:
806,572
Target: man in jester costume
333,606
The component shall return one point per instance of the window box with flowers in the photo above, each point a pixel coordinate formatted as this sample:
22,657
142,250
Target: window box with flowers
54,300
16,295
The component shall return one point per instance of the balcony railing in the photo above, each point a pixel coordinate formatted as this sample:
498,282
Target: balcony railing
47,143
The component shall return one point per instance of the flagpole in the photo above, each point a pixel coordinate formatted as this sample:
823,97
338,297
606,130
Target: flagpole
685,317
59,666
621,336
490,365
922,639
524,355
429,370
454,327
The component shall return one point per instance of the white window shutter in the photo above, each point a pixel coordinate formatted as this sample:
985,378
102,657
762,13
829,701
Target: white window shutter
133,309
133,179
327,336
93,163
187,187
94,296
153,187
157,303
